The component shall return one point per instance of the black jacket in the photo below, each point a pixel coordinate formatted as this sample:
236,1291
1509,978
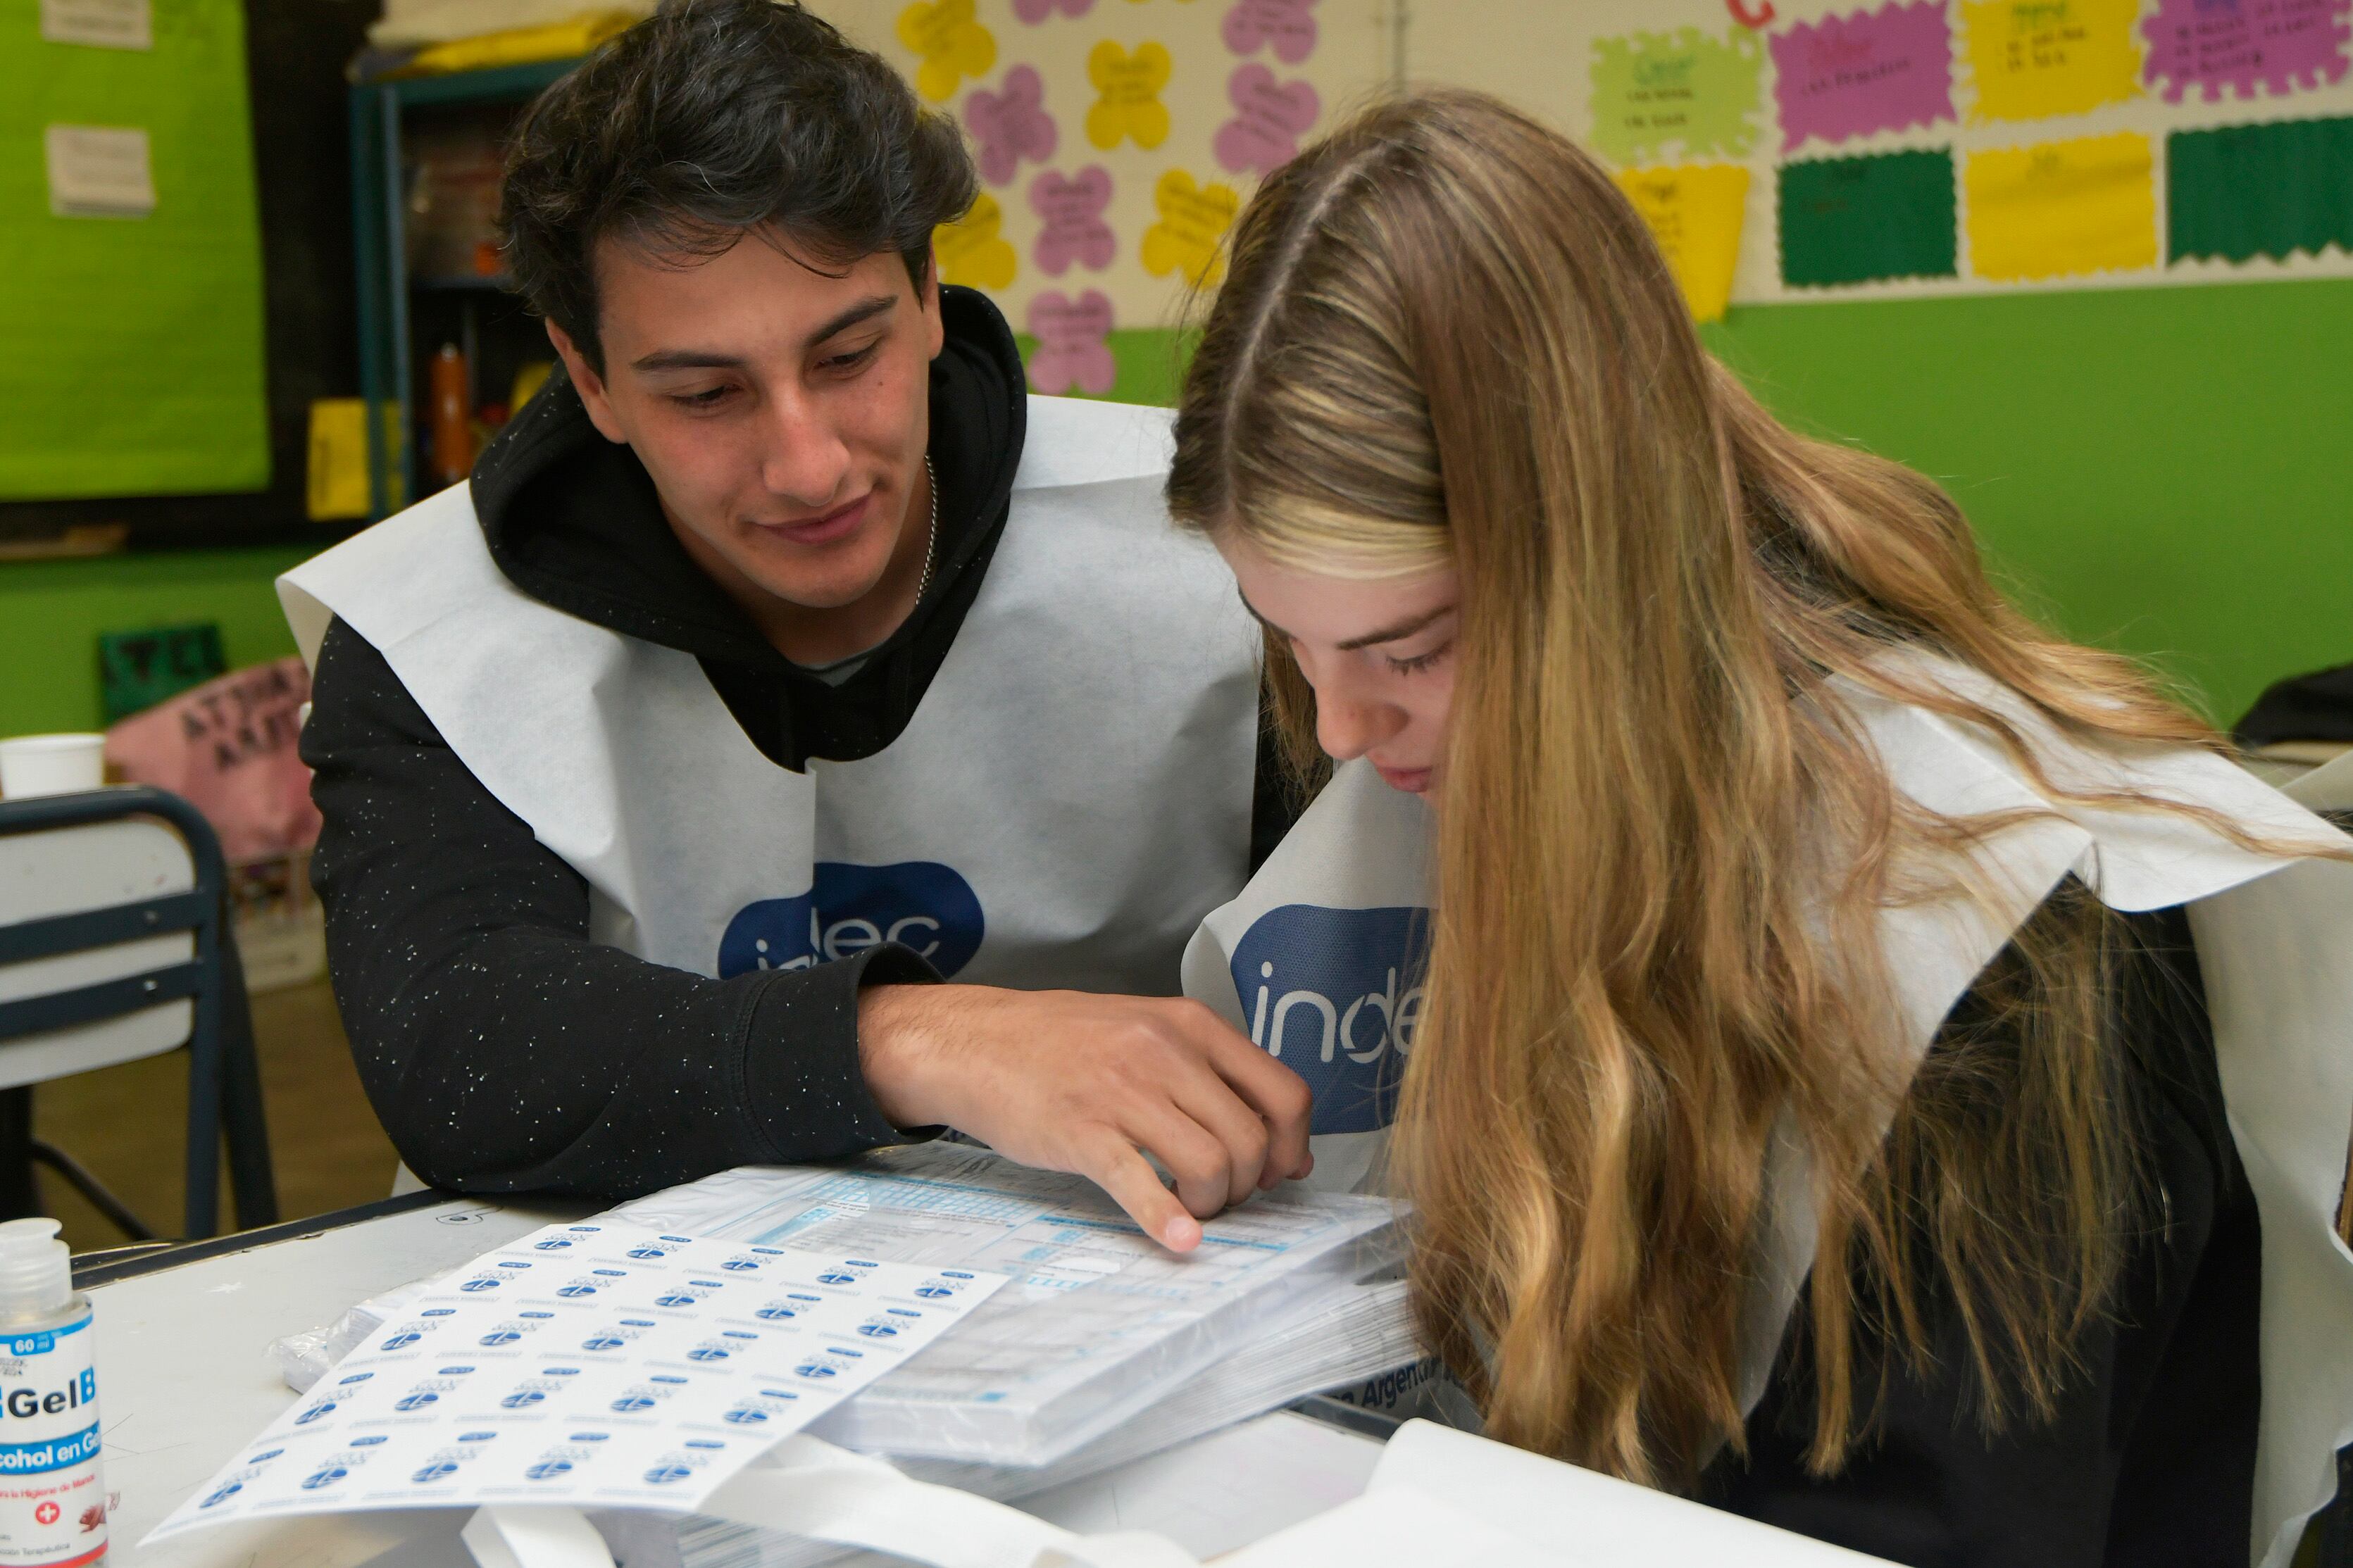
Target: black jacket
502,1050
2150,1460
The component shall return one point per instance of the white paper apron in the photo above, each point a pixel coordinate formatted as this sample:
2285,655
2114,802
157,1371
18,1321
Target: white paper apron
1074,790
2275,938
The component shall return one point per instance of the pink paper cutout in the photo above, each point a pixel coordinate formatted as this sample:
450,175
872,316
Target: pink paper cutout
1036,11
1012,125
1289,23
1074,211
1853,74
1071,350
1269,117
2280,45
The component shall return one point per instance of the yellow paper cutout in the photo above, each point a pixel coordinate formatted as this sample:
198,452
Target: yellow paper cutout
973,250
2038,57
2063,207
1130,102
1694,211
1190,235
952,43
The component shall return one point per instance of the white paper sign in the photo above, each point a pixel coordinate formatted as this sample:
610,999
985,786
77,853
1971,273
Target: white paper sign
99,171
592,1365
105,23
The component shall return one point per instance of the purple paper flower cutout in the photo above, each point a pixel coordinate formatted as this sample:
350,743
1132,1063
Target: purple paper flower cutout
1269,117
1071,350
1012,125
1289,24
1036,11
1074,229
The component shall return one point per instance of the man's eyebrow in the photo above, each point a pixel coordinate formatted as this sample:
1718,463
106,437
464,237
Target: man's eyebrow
1404,629
697,359
864,310
686,359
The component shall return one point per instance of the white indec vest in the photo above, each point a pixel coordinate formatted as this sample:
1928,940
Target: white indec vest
1072,793
1331,917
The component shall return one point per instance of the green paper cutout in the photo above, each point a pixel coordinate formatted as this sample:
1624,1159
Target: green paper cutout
1862,220
138,670
1686,94
131,349
2259,190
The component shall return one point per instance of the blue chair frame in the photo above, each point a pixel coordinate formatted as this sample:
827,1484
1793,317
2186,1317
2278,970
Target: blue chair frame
224,1075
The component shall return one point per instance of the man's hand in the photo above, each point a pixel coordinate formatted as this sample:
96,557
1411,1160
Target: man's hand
1068,1080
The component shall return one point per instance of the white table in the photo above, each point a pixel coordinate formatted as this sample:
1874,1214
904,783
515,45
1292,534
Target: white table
184,1378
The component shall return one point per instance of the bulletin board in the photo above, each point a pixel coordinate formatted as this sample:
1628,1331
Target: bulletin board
1926,147
1116,140
131,344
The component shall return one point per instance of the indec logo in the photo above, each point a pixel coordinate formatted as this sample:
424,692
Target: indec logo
919,904
1336,995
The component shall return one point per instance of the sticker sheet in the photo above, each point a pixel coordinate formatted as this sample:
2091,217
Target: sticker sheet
594,1365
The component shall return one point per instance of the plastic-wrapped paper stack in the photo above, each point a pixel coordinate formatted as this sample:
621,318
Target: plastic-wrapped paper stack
1103,1347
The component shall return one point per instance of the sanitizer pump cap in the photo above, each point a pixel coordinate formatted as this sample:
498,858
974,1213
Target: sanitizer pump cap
35,1268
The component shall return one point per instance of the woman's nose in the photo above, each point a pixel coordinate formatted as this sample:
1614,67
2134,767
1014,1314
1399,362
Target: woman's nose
1346,729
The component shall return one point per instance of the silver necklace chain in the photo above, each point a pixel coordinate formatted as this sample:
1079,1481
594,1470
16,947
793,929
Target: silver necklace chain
932,539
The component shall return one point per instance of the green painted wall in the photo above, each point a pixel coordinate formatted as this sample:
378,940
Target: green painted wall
2167,471
51,612
2164,470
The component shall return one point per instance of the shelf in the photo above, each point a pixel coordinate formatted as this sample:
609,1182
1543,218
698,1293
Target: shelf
504,84
499,285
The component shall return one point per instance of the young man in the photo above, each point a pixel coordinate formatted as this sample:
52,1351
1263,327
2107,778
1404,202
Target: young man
782,658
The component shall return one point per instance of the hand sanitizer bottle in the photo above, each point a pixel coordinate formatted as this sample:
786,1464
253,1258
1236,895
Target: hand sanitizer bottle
52,1497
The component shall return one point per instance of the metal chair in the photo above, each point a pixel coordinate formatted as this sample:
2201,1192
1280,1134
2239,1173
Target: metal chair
115,945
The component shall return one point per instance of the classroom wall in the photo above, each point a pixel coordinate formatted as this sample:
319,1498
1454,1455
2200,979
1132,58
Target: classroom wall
2159,468
51,612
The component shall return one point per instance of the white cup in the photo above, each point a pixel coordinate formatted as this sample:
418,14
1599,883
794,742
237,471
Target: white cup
51,765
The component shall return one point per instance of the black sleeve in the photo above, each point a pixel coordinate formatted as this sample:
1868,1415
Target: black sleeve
2150,1460
506,1052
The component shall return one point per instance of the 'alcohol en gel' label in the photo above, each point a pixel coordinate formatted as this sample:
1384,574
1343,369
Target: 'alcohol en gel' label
52,1497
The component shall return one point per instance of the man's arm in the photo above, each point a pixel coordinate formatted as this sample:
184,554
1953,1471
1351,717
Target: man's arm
503,1050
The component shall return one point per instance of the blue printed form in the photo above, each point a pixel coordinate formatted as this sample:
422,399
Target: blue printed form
597,1365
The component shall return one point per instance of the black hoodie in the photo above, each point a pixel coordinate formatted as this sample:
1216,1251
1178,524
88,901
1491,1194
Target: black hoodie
505,1052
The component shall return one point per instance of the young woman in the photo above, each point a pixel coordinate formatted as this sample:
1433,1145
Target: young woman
1813,1103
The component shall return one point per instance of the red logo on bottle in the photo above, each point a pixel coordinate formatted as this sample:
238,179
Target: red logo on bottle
46,1514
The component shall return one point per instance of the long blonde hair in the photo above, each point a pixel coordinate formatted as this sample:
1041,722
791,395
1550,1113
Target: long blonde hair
1447,338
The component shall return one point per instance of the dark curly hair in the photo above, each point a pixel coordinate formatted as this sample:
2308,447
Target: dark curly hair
709,120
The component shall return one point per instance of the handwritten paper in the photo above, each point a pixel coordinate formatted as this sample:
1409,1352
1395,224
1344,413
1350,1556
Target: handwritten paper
1189,236
1269,117
1128,105
1010,126
948,39
594,1365
1074,347
1861,220
1873,70
973,250
1694,213
1657,95
2061,209
2278,45
99,171
1072,212
99,23
2260,190
2039,57
1288,24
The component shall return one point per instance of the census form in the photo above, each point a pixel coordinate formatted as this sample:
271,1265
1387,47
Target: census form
1096,1321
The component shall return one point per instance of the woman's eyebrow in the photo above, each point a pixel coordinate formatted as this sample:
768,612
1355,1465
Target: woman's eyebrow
1404,629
